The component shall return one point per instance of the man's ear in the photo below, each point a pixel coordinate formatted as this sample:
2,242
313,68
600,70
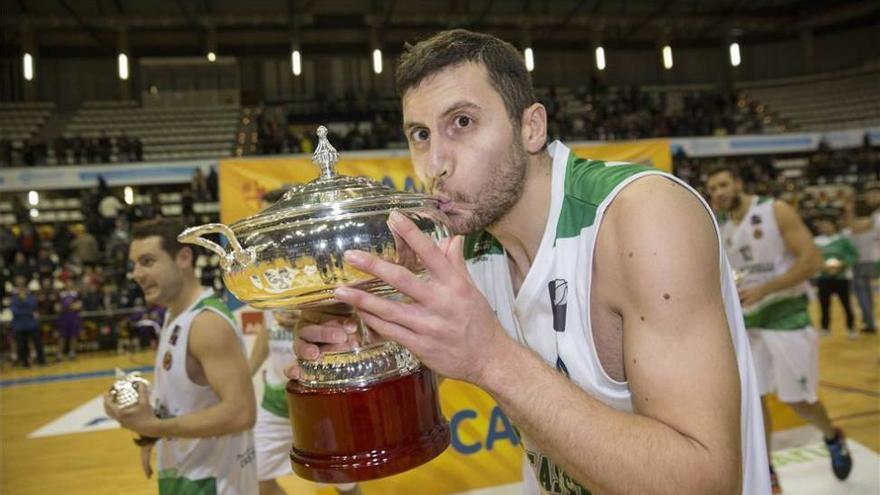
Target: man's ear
185,257
534,128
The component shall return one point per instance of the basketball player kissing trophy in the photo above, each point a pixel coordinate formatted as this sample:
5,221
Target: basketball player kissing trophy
360,414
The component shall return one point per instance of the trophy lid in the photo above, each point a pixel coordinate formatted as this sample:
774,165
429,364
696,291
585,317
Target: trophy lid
330,195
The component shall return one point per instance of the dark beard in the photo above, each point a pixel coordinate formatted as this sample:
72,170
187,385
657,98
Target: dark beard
735,204
498,196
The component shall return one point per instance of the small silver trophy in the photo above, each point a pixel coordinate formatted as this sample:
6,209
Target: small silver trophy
127,388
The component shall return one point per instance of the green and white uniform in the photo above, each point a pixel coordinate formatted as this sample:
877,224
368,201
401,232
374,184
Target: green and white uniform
841,248
551,312
272,433
785,347
197,466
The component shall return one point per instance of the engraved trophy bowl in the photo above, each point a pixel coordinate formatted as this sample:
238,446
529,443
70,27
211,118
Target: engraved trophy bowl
127,388
359,414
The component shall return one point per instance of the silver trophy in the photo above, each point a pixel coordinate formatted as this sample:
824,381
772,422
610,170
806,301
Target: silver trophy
127,389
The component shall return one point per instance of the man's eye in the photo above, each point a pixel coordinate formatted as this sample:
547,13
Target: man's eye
462,121
420,135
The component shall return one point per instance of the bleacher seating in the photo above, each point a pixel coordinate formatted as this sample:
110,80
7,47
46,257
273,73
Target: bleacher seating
20,121
178,133
823,102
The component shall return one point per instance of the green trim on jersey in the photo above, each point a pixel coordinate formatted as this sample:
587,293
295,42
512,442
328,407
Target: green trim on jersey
788,313
217,304
275,400
587,184
170,483
840,248
764,199
481,244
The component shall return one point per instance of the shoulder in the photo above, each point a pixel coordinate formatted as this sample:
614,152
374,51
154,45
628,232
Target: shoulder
210,335
215,305
657,208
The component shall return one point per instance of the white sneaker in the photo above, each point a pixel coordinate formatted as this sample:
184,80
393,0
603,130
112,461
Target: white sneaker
852,334
824,332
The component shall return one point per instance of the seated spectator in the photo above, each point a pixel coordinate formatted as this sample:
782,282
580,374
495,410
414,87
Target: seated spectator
138,148
123,148
105,147
78,145
45,265
60,148
61,242
84,248
92,298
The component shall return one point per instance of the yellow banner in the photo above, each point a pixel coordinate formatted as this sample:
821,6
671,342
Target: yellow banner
485,449
243,181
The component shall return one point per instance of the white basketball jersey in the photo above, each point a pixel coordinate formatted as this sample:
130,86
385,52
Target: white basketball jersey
221,465
757,251
281,356
551,313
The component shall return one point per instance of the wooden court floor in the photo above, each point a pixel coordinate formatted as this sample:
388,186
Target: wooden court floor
106,462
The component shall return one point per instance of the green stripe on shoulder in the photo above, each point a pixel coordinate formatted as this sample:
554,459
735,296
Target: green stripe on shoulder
171,483
764,199
587,184
217,304
481,244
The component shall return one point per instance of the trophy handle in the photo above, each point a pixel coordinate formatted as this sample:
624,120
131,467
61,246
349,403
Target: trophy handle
193,235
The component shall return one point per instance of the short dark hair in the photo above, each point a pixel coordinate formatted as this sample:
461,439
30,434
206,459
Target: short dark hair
506,68
717,169
167,230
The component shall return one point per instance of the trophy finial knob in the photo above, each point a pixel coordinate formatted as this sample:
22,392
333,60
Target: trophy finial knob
325,155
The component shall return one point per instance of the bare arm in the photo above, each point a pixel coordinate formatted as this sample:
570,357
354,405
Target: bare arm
684,434
799,241
858,225
260,351
214,344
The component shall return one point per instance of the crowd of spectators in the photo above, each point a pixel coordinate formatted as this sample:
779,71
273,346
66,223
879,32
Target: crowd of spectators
70,285
76,150
600,113
279,132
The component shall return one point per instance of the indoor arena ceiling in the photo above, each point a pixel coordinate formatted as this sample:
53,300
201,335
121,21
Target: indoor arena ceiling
182,27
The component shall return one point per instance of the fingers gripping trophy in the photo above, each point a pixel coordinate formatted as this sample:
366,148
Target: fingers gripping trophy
126,391
358,414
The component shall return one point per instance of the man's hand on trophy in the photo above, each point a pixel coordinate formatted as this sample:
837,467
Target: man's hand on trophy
448,323
326,330
138,417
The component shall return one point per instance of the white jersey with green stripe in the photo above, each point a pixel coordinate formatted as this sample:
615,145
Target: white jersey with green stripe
757,251
281,356
189,466
551,312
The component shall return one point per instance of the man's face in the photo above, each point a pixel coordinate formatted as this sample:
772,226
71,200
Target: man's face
724,190
158,274
826,227
464,146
